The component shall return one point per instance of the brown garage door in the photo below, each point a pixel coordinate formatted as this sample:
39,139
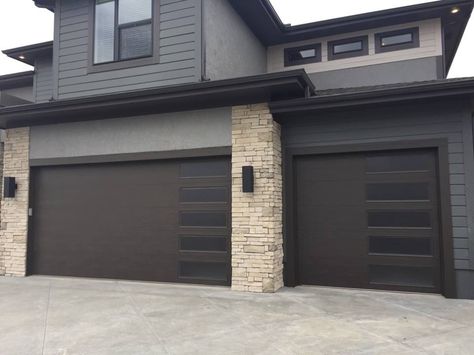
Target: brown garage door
155,221
368,220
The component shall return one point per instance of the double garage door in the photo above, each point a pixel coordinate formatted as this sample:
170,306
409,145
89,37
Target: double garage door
153,221
368,220
365,220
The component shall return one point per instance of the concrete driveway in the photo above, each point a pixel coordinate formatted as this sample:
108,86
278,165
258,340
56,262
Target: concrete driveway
41,315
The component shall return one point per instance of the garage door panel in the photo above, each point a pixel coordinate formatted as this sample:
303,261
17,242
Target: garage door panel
122,220
330,193
332,167
365,219
331,219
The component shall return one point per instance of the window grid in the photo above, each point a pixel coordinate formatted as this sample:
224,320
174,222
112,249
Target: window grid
118,27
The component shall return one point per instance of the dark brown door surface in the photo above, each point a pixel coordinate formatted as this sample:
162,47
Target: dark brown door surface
153,221
368,220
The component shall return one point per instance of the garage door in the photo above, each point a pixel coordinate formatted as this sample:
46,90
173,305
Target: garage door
154,221
368,220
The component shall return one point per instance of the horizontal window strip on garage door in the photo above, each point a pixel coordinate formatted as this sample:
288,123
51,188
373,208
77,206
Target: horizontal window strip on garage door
204,221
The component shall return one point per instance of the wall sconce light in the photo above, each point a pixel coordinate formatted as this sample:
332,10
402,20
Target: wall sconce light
247,179
9,187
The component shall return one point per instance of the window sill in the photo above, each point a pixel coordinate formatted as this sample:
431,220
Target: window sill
139,62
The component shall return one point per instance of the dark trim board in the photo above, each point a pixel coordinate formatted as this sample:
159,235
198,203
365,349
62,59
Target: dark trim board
114,158
472,239
202,95
376,95
448,285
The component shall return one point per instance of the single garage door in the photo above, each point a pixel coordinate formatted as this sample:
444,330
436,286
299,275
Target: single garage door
154,221
368,220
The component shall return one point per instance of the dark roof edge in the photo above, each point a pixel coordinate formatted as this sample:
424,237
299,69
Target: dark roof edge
270,10
192,96
397,11
417,91
263,20
30,52
452,54
16,80
45,4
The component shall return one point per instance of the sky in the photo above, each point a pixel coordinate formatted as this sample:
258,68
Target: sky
21,23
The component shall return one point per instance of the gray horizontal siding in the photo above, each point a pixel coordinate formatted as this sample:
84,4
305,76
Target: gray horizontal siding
179,60
43,85
431,121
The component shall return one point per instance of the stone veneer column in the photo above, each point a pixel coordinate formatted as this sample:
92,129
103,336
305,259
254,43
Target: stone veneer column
2,249
257,242
14,211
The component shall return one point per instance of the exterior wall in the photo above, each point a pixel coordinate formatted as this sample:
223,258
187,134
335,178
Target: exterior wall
43,80
257,241
389,73
231,49
465,284
430,46
153,133
14,211
450,120
179,52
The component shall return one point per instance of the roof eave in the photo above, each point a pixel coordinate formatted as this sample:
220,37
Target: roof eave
230,92
283,110
45,4
16,80
28,54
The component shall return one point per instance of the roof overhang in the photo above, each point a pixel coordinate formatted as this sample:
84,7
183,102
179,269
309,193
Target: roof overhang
28,54
45,4
268,27
289,109
221,93
16,80
10,100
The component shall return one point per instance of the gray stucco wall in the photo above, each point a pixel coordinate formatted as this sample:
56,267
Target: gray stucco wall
179,53
389,73
231,49
448,120
43,80
154,133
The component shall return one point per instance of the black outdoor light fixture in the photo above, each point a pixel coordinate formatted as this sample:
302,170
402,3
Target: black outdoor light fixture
247,179
9,187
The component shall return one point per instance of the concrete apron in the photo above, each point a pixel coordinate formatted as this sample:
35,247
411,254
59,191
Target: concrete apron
44,315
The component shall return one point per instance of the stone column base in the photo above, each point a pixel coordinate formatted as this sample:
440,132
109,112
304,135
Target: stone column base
257,242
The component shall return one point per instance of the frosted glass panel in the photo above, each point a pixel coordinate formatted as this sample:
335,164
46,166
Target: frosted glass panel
104,31
134,10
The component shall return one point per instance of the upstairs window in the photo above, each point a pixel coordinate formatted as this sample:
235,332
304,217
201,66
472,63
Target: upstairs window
397,40
303,55
123,30
347,48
